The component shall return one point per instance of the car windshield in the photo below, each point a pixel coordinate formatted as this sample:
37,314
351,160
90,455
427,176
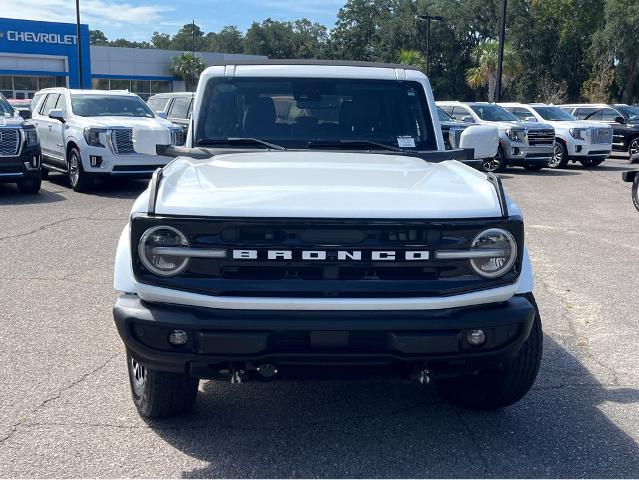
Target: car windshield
6,110
554,114
109,105
493,113
315,113
631,113
443,116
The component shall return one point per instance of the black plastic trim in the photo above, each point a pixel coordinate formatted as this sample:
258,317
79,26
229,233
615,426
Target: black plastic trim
501,194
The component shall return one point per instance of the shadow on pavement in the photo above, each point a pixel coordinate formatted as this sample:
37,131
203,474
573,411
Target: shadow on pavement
108,187
9,195
387,428
544,172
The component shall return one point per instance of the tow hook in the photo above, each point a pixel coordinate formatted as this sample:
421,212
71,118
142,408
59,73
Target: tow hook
424,377
236,374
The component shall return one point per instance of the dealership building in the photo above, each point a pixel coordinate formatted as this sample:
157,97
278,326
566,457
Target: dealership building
36,55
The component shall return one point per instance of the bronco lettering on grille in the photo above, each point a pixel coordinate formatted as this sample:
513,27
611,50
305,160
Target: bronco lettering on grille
338,255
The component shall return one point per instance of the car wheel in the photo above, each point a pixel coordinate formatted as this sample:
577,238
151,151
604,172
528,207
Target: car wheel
78,179
160,394
635,191
534,167
633,147
29,186
499,388
590,162
494,164
559,157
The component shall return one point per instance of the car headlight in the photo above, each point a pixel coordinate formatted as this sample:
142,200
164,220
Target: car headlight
516,134
493,252
31,137
92,136
177,137
578,133
155,252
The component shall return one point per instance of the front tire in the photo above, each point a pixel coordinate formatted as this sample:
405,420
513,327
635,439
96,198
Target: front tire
635,191
560,156
495,164
590,162
633,148
29,187
78,178
492,389
159,394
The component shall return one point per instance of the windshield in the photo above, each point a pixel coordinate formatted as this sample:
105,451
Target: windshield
554,114
109,105
303,113
493,113
443,116
631,113
6,110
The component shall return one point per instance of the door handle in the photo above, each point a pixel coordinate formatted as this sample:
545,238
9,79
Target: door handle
50,127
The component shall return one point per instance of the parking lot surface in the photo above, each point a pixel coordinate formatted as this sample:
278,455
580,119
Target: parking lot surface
64,394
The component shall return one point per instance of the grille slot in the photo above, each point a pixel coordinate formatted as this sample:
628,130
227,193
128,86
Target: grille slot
601,136
455,137
122,139
9,142
541,137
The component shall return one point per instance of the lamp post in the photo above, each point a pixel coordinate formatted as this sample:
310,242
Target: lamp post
428,19
500,59
79,41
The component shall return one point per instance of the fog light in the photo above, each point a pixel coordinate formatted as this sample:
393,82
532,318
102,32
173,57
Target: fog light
516,151
578,148
178,337
476,337
96,160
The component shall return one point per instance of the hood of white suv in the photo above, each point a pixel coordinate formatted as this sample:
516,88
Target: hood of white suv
324,185
113,121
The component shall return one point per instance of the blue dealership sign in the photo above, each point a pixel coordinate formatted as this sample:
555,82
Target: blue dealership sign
47,39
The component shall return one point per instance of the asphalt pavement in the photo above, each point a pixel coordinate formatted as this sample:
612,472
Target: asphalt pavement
65,407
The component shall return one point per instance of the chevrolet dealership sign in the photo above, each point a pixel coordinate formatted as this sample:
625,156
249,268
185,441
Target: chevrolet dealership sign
39,37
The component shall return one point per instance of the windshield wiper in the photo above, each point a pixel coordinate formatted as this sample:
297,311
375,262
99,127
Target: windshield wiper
238,140
352,143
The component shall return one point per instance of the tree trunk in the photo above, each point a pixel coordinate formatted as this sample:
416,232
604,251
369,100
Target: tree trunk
492,87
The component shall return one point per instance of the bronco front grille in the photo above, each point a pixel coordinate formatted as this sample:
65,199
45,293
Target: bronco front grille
122,139
601,136
331,276
541,137
9,142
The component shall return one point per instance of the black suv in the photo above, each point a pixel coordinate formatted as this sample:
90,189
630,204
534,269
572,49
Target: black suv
451,129
624,120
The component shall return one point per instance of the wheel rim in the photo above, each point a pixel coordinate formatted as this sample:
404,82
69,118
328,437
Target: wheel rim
634,147
492,164
74,169
558,156
138,377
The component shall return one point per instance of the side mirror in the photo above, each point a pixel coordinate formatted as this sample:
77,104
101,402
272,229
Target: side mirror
467,119
483,139
56,114
25,114
147,139
620,120
160,114
531,119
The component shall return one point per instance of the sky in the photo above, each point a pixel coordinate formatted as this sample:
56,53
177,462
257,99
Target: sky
138,19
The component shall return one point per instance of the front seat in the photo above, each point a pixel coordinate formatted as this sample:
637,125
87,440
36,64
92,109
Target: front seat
259,118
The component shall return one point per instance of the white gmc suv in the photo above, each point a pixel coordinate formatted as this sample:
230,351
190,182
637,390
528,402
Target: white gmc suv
88,133
588,143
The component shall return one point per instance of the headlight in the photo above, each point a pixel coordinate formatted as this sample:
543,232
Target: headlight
155,255
516,134
493,253
177,137
578,133
92,136
32,137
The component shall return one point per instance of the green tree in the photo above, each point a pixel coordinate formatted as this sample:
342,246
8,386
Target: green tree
161,40
187,37
299,39
413,58
485,73
187,67
227,40
98,38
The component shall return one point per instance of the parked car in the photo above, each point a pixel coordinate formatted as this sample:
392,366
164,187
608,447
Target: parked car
451,129
624,120
588,143
633,177
19,149
339,235
87,134
527,144
177,107
21,105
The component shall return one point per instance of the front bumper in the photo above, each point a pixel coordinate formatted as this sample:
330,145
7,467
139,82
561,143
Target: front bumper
98,161
218,338
25,166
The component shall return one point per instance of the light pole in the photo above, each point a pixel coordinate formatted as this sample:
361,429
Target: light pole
500,59
428,19
79,41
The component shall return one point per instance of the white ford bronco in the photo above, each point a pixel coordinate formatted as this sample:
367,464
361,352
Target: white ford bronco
315,223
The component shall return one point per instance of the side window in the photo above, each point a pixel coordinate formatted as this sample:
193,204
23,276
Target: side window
460,112
157,104
609,115
521,113
588,113
62,104
49,104
190,109
180,107
447,109
35,103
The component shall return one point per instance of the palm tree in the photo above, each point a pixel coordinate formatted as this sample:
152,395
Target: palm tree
412,57
486,54
187,67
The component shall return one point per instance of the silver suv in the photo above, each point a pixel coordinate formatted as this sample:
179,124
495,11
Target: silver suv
527,144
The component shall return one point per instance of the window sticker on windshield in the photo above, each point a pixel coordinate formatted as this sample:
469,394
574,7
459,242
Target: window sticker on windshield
405,142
